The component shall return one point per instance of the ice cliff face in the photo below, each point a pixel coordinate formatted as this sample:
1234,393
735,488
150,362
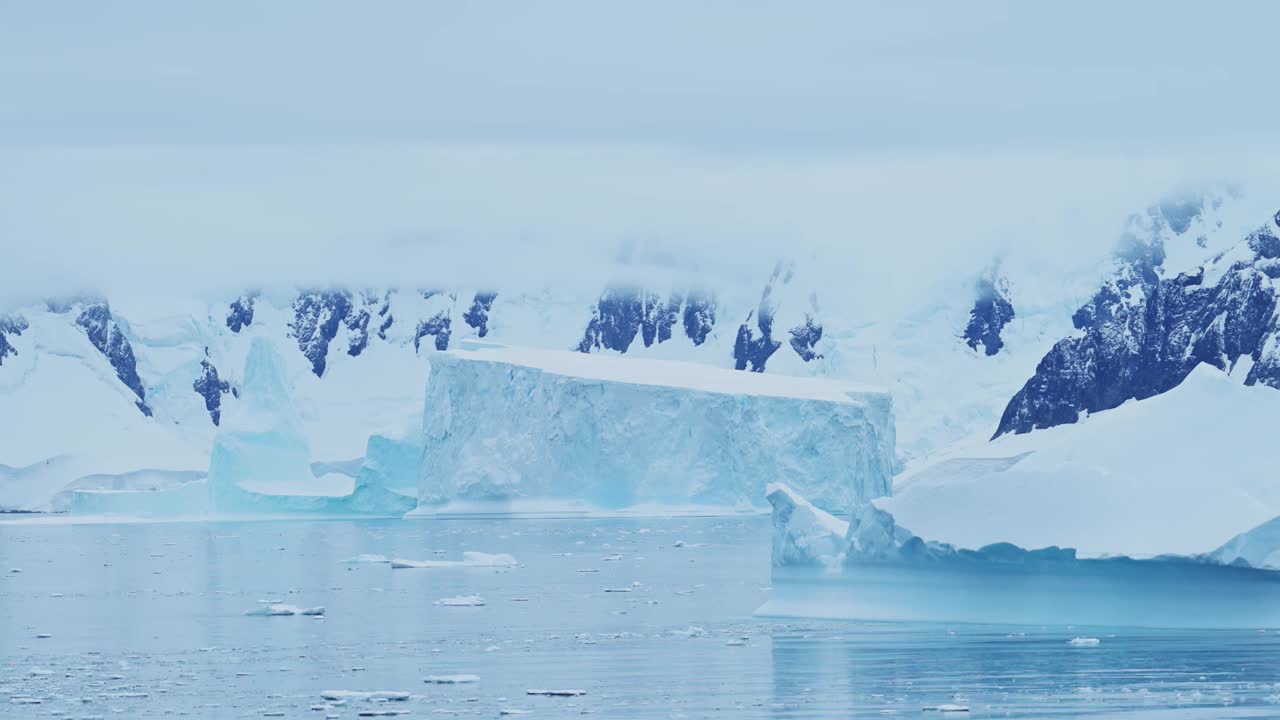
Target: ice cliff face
508,426
1143,332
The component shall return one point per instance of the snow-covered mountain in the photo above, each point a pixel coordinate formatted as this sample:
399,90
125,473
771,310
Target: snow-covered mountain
109,387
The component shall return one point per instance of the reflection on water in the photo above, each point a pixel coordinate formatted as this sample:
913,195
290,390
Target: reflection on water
652,618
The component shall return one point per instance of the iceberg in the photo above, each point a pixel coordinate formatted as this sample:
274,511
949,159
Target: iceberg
871,568
1177,473
509,429
261,459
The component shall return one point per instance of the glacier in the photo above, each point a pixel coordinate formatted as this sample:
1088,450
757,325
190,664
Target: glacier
872,568
523,430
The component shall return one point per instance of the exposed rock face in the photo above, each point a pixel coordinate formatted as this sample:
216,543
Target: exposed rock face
624,313
240,315
437,327
10,326
804,337
105,334
211,387
1142,333
477,316
317,315
992,310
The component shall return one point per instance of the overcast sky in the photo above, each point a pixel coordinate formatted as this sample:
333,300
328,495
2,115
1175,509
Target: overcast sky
136,137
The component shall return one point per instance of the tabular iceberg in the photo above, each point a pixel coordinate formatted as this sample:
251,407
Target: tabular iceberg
517,430
871,568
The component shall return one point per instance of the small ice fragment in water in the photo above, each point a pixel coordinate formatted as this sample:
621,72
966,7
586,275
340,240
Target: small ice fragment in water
513,711
461,601
678,543
947,708
281,610
691,631
451,679
736,642
611,558
43,636
366,558
371,696
1084,642
620,589
556,693
469,559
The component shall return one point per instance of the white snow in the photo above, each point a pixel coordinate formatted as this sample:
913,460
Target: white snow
469,560
503,424
1177,473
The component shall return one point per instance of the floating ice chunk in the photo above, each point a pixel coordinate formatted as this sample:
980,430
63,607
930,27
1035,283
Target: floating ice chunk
1084,642
513,711
381,713
617,589
556,693
371,696
451,679
469,559
369,559
281,610
802,534
691,631
461,601
947,708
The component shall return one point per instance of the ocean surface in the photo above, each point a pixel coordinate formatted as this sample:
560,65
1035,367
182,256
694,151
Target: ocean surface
646,618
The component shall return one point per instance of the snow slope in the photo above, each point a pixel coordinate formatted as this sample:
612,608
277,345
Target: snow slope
506,425
1180,472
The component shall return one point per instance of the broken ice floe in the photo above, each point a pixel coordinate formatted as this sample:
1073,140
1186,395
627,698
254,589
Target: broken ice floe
461,601
369,695
281,610
469,559
451,679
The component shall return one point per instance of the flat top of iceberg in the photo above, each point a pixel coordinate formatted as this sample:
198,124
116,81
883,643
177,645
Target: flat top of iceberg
669,373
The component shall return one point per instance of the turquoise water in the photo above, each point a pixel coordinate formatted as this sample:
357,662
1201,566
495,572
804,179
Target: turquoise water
147,620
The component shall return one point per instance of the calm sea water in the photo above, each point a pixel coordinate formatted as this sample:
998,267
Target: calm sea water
147,620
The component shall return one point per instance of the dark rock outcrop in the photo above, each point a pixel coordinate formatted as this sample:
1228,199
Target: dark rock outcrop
992,310
105,335
477,316
211,387
10,326
1143,333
